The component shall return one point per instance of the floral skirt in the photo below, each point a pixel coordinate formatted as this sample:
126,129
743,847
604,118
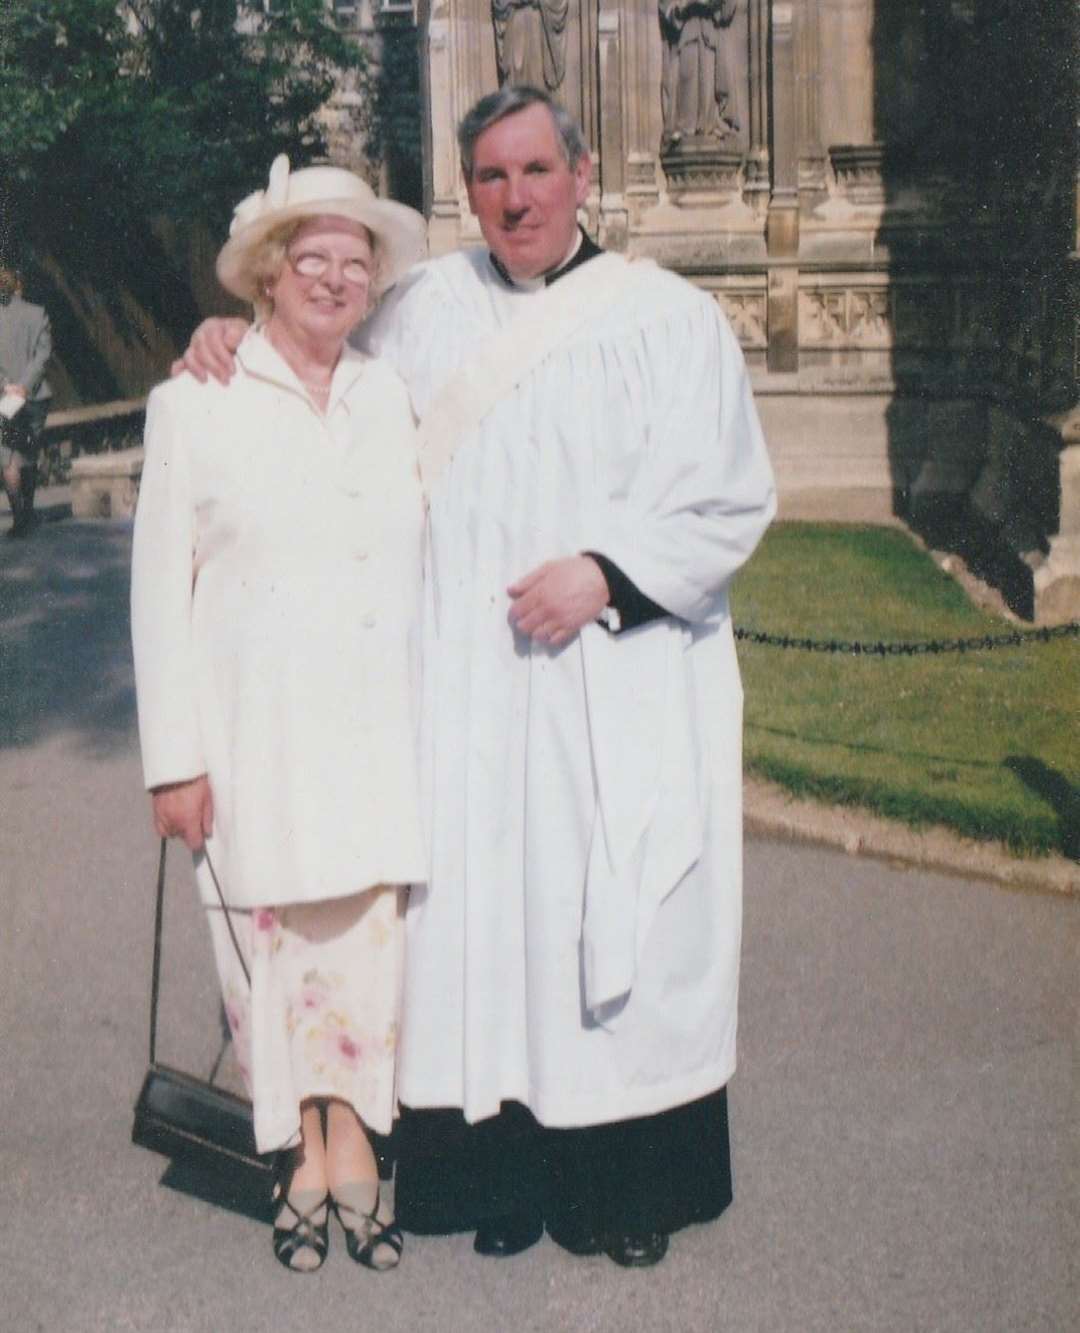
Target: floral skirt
321,1016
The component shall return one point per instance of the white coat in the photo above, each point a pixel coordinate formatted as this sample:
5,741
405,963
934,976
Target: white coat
577,946
275,594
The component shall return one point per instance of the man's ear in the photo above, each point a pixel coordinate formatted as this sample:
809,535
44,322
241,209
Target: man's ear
469,192
582,178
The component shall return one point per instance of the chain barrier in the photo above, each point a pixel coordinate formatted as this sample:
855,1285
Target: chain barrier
855,648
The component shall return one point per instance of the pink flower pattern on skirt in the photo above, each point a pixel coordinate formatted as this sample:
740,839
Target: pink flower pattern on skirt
321,1018
238,1016
264,919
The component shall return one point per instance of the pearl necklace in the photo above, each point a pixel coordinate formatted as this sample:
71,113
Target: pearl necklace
319,394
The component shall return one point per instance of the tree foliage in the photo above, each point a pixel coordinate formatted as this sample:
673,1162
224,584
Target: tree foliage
116,110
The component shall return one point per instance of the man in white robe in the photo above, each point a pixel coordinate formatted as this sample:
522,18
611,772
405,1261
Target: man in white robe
572,964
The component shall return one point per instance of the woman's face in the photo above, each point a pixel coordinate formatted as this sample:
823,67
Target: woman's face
322,290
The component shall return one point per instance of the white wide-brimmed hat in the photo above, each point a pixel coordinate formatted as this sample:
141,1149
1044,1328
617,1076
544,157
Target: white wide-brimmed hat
399,231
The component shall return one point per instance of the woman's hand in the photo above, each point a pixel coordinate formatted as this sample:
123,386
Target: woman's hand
184,810
212,350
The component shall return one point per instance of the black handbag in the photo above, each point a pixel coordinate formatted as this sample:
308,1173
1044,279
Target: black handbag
186,1118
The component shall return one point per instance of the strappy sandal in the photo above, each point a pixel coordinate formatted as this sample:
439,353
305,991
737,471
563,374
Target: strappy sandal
303,1235
369,1241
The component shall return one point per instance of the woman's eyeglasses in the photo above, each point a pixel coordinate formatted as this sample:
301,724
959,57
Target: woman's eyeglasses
314,264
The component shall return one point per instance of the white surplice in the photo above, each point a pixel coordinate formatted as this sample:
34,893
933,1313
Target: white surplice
577,946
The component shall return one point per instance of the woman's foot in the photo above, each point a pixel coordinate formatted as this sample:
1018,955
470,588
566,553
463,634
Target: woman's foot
371,1240
301,1198
350,1158
301,1217
353,1175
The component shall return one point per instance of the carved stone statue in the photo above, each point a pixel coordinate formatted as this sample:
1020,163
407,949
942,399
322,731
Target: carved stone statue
530,41
698,93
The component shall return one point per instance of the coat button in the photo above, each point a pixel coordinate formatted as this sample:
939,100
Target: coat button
368,621
360,555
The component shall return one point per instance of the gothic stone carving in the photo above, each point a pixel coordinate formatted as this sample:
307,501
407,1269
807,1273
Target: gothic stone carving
698,90
747,312
846,317
530,41
859,171
702,170
956,319
823,316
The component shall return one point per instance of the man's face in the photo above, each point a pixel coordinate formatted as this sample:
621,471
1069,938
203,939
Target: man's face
524,193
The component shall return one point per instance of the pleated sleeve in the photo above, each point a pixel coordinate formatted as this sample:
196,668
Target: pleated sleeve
702,493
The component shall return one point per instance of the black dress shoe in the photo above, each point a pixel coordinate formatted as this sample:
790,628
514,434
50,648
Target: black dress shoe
500,1237
638,1249
575,1235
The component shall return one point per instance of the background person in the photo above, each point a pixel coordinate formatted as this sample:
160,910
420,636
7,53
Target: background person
572,966
275,590
25,348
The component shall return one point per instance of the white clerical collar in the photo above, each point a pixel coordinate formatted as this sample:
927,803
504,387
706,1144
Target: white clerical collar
538,284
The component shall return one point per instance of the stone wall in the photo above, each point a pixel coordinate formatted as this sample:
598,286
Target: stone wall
881,194
375,124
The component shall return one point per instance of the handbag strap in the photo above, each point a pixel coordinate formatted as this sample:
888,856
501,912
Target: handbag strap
228,916
155,975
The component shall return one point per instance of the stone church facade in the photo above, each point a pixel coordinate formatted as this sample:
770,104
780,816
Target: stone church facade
882,196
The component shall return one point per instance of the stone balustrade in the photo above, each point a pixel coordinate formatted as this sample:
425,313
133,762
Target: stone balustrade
106,485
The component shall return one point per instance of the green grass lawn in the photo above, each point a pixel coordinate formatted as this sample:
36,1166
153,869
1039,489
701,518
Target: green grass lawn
987,743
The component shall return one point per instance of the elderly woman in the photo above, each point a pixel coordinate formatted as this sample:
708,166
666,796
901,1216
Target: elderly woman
275,585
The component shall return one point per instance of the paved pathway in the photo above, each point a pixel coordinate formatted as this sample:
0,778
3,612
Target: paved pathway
905,1116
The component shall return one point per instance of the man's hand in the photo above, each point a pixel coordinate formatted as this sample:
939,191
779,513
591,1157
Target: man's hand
184,810
553,602
212,350
19,390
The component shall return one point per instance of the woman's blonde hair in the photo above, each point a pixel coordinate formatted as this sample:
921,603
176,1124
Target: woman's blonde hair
264,264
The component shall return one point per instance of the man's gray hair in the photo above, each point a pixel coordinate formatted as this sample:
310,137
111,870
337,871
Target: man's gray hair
513,97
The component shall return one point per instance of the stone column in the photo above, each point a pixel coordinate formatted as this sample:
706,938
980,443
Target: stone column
640,77
847,98
585,99
613,215
445,167
812,185
423,22
847,108
1058,580
782,223
460,51
756,182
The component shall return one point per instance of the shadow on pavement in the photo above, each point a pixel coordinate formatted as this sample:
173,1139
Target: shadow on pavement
65,659
237,1189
